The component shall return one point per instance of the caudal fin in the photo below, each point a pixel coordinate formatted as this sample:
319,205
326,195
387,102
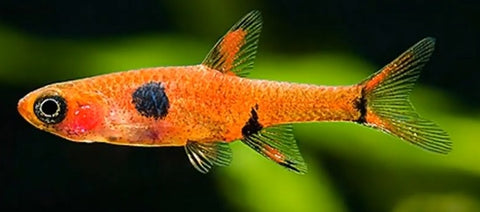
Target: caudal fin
386,100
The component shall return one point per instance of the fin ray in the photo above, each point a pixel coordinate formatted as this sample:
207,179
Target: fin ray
204,155
235,52
388,105
278,144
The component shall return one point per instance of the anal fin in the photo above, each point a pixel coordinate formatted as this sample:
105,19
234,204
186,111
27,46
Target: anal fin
278,144
204,155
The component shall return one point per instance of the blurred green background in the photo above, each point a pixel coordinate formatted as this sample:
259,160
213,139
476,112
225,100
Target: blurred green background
351,168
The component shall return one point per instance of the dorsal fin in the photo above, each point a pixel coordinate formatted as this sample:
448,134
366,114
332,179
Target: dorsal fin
235,52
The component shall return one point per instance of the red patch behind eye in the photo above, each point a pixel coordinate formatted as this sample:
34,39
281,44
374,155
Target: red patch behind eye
82,119
231,44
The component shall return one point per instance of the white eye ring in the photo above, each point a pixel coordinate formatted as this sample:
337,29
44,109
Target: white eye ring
49,114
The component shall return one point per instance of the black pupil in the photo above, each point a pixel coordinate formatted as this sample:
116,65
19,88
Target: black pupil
50,107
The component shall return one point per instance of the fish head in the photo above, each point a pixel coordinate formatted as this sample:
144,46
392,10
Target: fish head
63,109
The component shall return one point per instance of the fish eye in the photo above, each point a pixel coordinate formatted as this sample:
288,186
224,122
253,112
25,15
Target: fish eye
50,109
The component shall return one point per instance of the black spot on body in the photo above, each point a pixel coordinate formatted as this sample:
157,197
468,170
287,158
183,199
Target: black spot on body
150,100
252,126
361,106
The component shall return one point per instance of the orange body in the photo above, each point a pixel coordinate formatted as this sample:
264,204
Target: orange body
205,105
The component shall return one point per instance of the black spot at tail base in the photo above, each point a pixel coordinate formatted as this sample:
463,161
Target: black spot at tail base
252,126
150,100
361,106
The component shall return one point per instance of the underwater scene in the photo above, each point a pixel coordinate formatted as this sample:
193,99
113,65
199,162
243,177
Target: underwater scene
344,166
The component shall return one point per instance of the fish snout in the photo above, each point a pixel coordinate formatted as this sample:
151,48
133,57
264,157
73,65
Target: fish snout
25,108
22,108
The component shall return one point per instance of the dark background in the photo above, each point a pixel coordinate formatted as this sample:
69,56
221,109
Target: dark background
371,28
40,171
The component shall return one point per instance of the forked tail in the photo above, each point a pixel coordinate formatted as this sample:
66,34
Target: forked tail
387,106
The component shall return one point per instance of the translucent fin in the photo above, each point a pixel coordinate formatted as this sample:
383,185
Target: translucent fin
387,100
278,144
204,155
235,52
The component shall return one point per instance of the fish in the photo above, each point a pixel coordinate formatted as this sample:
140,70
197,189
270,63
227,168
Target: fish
205,107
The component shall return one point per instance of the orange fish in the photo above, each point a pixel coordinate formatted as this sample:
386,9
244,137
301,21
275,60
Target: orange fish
205,107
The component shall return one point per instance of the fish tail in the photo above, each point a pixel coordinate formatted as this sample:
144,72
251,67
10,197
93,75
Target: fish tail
385,103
